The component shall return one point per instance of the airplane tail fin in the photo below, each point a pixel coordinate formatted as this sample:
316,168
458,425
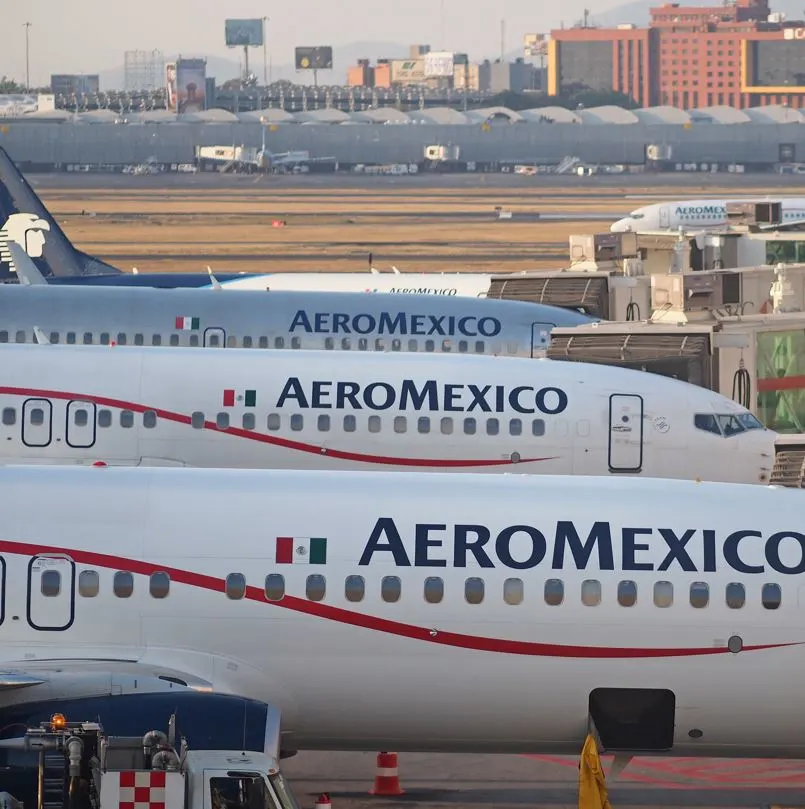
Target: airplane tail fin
25,220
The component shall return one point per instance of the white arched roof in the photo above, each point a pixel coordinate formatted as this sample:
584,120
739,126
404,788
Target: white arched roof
214,116
329,115
774,114
608,115
49,115
382,115
270,116
99,117
558,115
487,113
151,117
662,115
438,115
719,115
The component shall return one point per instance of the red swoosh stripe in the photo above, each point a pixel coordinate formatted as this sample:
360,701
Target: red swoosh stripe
251,435
384,625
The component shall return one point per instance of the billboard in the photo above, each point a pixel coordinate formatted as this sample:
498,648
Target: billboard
439,64
535,45
243,33
170,85
408,71
319,57
74,84
191,85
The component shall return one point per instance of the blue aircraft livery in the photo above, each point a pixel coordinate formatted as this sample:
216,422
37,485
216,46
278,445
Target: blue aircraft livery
429,395
396,323
565,545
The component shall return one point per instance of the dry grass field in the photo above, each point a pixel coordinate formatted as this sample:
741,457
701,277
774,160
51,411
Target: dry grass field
332,227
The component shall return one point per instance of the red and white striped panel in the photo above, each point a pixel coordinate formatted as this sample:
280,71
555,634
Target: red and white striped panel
141,789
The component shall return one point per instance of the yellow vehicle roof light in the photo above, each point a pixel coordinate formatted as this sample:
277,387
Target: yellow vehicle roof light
58,721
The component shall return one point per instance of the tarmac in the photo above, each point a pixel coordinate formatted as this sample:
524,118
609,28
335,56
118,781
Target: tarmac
545,782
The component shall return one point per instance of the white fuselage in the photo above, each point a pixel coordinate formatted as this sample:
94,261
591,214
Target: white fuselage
703,213
428,612
347,410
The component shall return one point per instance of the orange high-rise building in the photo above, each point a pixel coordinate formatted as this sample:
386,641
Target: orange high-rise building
738,55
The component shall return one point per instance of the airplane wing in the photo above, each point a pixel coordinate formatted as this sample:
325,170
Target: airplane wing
790,224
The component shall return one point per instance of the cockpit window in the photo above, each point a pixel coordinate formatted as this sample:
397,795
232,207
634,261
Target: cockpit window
707,422
750,422
726,424
730,425
636,215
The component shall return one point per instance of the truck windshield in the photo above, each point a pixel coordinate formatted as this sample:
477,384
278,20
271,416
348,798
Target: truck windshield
283,791
246,791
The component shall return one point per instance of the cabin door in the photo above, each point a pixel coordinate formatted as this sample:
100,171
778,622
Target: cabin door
37,422
80,430
51,593
625,433
214,338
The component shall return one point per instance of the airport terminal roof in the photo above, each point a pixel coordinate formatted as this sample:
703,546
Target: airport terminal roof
598,116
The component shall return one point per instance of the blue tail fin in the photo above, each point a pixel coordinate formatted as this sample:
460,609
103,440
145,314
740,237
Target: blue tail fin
25,220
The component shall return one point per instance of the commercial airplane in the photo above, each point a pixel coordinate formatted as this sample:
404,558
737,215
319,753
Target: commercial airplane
347,410
501,614
312,320
698,213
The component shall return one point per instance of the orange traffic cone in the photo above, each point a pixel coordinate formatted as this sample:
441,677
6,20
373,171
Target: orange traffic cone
387,780
323,801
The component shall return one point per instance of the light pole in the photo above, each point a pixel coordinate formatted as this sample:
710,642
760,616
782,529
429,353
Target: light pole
265,62
26,26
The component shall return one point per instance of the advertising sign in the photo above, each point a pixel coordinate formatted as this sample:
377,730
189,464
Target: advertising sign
439,64
408,71
319,57
170,85
535,45
243,33
191,85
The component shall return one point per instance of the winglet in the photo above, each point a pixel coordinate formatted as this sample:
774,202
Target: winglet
214,282
41,337
374,271
27,272
396,271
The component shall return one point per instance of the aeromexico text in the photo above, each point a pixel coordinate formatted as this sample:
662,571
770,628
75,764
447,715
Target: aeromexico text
394,323
428,395
566,544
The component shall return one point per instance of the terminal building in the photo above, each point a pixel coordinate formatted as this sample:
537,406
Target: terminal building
738,55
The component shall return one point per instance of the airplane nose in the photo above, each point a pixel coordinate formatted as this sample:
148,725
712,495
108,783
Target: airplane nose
621,226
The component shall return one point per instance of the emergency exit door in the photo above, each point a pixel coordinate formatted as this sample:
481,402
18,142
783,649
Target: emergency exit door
37,422
80,427
214,338
540,338
625,433
51,593
665,216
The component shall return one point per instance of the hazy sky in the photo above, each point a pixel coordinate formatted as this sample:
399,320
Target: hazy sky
87,36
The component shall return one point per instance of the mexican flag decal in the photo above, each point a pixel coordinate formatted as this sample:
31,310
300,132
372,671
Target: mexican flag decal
187,323
301,550
248,398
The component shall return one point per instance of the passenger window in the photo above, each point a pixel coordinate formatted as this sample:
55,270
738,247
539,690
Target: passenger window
469,426
434,590
480,347
513,591
247,342
9,416
197,420
390,589
222,421
463,346
273,421
89,583
149,419
80,417
429,345
771,596
554,592
316,587
354,588
263,342
50,583
329,343
396,345
412,345
104,341
627,593
87,338
474,590
346,345
363,344
400,424
663,594
446,346
736,596
423,424
706,422
126,418
159,584
156,339
379,344
174,339
538,427
37,416
104,418
323,423
374,424
279,342
231,342
121,339
275,587
71,338
447,425
235,586
699,594
20,337
123,584
591,592
138,339
296,342
350,424
194,340
297,422
3,336
492,426
515,427
248,421
54,337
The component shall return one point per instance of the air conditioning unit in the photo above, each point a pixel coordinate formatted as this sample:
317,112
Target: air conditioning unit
600,247
695,292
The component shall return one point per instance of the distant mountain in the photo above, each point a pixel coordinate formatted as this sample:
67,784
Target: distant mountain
224,69
637,11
